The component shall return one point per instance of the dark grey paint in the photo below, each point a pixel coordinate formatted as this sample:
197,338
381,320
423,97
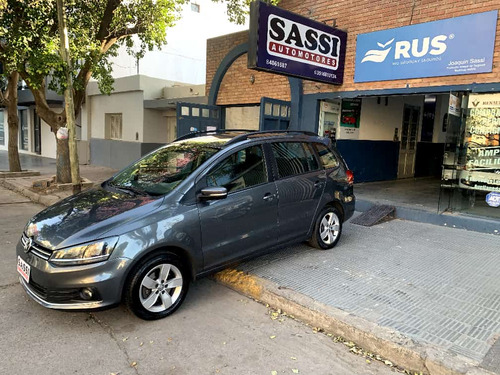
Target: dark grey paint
247,222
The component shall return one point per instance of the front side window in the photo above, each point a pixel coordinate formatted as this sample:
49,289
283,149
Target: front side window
240,170
327,157
294,158
160,172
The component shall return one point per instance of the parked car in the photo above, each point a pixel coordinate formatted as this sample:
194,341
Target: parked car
183,211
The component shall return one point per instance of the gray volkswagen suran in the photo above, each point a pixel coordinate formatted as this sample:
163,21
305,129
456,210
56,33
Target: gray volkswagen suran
185,210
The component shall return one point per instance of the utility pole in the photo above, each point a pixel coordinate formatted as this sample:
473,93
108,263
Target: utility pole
68,99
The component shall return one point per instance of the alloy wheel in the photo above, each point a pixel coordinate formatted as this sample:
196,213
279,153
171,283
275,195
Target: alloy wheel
161,287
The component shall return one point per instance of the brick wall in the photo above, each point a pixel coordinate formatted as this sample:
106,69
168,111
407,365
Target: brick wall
356,17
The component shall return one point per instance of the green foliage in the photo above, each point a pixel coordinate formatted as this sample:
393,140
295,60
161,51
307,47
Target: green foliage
238,10
29,37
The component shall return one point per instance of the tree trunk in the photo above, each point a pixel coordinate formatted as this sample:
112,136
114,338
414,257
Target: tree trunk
13,121
63,172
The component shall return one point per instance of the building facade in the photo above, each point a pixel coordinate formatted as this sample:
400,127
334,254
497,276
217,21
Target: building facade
409,117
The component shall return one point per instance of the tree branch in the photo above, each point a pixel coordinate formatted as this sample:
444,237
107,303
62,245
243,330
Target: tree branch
107,18
54,119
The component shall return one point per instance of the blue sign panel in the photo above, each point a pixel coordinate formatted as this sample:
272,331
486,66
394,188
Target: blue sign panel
286,43
454,46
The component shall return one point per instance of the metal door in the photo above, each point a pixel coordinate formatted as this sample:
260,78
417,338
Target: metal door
408,148
246,221
192,117
274,114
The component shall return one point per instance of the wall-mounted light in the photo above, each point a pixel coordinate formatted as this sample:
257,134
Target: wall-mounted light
252,79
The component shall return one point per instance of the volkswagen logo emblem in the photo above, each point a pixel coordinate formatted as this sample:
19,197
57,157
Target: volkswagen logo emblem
27,244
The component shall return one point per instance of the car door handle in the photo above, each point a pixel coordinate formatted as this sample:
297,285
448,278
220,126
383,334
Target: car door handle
269,197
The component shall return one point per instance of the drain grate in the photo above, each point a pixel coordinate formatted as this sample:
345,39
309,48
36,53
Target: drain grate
375,215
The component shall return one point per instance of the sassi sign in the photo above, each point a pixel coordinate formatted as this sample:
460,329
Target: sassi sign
286,43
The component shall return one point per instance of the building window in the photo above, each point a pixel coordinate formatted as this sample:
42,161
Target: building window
2,131
195,7
113,126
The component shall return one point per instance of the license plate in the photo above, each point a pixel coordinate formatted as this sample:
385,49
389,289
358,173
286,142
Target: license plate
24,269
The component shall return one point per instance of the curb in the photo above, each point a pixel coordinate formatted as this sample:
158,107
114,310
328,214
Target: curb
459,221
388,343
45,200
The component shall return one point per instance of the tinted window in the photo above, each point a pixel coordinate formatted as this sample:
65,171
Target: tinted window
240,170
160,172
294,158
327,157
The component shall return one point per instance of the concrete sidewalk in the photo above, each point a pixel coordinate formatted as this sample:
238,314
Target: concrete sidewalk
424,296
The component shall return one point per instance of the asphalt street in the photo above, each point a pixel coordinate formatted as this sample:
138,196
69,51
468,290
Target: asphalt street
216,331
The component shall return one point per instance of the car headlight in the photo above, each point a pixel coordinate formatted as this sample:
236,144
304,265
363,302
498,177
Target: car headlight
84,254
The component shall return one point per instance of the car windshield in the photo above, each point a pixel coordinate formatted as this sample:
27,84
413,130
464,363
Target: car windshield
160,172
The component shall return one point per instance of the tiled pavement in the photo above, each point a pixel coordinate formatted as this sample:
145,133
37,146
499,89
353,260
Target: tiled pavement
436,285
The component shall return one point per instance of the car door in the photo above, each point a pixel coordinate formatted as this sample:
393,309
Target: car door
246,220
300,184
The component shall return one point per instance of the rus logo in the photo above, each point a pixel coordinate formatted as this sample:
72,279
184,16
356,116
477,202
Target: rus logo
406,49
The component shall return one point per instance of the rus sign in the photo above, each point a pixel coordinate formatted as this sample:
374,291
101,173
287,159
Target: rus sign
453,46
286,43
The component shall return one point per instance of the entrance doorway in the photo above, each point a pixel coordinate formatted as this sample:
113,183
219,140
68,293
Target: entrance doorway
408,147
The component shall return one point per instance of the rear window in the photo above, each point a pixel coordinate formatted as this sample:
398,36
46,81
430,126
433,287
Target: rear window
327,157
293,158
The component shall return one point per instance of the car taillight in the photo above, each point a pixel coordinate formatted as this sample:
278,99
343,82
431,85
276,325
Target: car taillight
350,177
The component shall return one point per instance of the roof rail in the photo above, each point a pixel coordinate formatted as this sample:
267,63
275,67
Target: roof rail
243,137
208,132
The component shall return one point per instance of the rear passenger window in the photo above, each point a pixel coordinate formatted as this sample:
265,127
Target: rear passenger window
294,158
328,158
240,170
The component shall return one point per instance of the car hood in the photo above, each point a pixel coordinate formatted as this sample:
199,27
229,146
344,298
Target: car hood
87,216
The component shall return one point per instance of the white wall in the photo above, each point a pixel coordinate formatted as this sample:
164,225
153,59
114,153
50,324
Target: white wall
183,59
129,104
243,118
155,127
48,141
378,121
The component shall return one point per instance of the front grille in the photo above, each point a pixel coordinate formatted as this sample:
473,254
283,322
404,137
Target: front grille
38,289
35,248
55,295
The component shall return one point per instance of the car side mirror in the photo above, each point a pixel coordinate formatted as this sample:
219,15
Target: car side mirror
213,193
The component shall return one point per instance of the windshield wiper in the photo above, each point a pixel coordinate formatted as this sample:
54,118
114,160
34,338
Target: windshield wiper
130,190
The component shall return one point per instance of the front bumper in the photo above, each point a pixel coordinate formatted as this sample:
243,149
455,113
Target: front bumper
60,287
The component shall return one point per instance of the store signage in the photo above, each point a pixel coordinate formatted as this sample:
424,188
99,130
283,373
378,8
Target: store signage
286,43
482,136
454,105
350,115
453,46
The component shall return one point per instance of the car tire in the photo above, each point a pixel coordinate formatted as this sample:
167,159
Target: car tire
327,229
157,287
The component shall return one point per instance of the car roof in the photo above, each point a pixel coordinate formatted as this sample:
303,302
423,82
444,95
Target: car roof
225,137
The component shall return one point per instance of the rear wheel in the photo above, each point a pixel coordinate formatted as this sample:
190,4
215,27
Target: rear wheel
327,229
157,288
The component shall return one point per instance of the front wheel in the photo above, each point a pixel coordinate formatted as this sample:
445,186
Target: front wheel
327,229
157,288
